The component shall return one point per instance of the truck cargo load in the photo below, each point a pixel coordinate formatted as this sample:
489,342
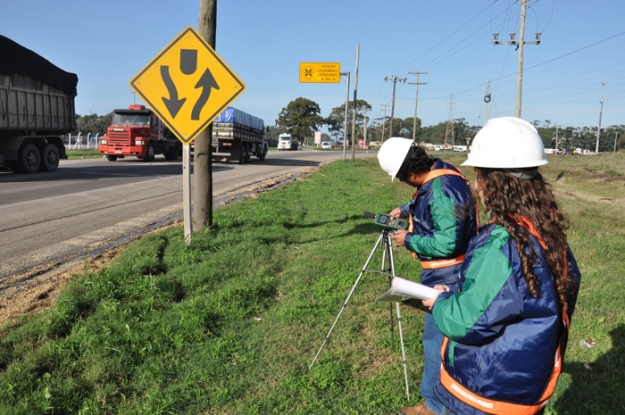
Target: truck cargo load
36,108
238,135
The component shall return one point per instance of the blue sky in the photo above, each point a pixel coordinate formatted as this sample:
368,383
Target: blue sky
106,43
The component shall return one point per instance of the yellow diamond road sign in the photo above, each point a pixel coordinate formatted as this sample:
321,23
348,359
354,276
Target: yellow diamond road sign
187,85
320,72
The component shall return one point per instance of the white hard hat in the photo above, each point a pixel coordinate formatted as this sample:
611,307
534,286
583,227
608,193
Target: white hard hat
392,154
507,143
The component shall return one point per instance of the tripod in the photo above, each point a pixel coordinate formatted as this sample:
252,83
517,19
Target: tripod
384,242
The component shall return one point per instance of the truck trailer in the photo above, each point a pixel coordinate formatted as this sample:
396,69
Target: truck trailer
138,132
237,136
36,109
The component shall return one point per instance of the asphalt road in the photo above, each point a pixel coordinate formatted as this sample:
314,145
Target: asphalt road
89,206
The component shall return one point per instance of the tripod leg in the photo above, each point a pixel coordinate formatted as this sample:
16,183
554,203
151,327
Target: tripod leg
401,333
403,352
387,249
325,340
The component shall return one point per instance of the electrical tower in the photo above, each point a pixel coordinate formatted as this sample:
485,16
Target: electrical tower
520,45
449,131
394,79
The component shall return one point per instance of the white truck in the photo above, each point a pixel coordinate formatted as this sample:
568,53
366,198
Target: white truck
287,142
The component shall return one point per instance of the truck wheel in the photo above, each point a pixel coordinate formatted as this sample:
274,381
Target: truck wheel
242,155
261,155
248,154
29,159
151,153
174,152
111,158
49,158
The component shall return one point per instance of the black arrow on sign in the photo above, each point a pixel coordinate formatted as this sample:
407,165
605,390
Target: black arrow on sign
206,82
173,104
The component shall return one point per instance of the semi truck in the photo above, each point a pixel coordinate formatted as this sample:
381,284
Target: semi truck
237,136
287,142
138,132
36,109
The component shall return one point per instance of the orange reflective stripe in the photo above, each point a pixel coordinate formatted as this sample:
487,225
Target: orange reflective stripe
486,405
494,407
433,174
442,263
525,222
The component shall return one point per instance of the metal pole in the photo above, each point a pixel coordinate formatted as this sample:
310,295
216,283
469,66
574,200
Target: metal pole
615,136
600,114
346,105
355,102
364,135
390,127
384,121
519,84
416,101
186,193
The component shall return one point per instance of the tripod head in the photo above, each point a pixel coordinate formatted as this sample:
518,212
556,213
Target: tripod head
385,222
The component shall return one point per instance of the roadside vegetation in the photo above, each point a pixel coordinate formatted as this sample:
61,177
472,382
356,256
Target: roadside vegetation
231,325
83,154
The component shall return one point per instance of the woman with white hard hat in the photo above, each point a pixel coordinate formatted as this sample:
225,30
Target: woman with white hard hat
506,328
442,221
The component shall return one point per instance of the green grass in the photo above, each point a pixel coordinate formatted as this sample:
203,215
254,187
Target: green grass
83,154
231,325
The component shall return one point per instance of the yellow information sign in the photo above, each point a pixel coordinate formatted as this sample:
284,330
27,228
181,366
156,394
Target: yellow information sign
187,85
320,72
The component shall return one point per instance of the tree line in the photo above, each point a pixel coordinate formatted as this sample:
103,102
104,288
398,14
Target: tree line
302,118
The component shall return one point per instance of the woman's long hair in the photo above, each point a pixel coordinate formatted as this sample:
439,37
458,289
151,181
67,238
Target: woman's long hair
507,196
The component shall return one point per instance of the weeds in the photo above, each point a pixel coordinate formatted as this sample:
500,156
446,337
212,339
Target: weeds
232,324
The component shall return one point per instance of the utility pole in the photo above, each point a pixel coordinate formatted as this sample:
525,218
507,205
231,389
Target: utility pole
364,135
487,99
615,137
416,101
394,79
520,45
355,103
600,114
384,121
450,122
557,127
346,106
202,163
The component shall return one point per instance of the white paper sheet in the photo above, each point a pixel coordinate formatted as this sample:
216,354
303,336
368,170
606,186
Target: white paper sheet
401,290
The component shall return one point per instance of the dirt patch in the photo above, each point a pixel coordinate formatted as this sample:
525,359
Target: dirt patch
37,290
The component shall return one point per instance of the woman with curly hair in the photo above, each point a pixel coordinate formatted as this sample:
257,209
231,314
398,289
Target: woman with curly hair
506,327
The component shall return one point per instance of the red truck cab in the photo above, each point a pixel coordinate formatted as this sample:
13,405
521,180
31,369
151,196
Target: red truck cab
138,132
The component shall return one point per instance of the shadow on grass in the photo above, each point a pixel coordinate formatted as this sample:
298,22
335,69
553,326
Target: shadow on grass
598,390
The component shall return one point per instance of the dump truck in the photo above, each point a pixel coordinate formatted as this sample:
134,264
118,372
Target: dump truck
138,132
237,136
287,142
36,109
